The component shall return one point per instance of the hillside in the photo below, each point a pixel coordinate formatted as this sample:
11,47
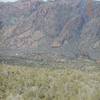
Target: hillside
50,50
59,28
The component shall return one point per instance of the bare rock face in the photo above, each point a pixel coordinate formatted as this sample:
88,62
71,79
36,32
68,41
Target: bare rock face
71,29
49,19
90,39
55,26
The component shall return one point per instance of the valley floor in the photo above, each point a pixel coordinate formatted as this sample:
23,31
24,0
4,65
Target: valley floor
32,83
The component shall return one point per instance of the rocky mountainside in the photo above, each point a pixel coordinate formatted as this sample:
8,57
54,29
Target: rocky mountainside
56,27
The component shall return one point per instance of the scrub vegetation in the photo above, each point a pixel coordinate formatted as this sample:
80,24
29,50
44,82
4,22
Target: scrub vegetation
32,83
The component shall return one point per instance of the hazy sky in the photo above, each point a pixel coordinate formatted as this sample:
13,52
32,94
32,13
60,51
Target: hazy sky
16,0
8,0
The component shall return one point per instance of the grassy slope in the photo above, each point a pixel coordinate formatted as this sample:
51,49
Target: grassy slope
27,83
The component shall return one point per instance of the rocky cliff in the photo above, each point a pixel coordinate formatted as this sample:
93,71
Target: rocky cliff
56,27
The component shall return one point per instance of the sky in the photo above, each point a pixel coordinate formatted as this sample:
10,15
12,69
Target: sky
8,0
16,0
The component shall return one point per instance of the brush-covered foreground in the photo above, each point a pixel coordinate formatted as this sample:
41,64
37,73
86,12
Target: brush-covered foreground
27,83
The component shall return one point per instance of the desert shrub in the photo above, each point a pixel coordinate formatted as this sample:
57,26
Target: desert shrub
27,83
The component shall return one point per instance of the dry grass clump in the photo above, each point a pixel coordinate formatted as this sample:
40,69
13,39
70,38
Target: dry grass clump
26,83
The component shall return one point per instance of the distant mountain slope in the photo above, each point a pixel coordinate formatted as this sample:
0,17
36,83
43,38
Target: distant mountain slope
56,26
90,39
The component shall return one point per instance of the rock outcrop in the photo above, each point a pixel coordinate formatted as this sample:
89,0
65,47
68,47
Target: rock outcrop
54,26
